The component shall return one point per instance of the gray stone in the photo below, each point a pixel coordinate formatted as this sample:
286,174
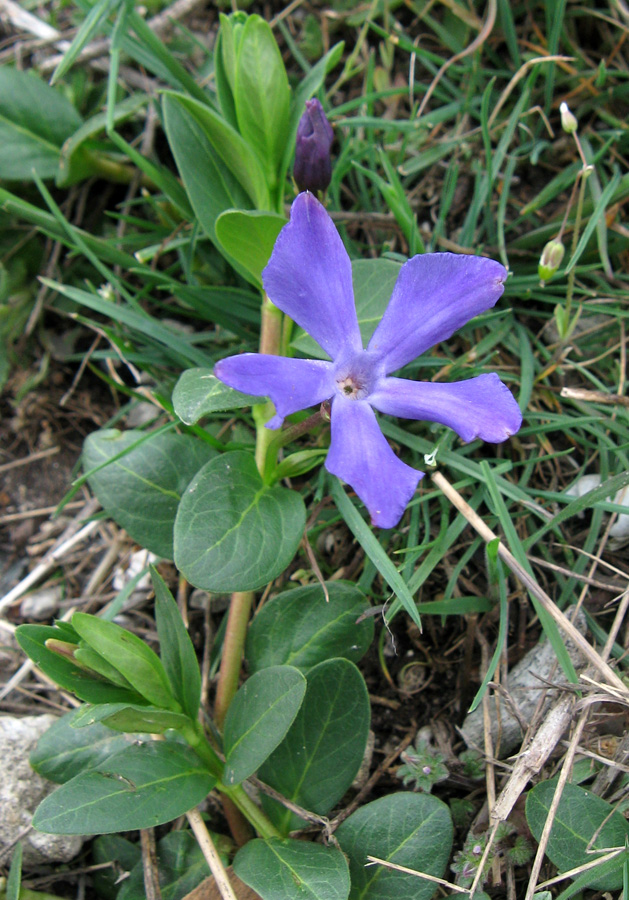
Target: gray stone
21,792
42,604
525,688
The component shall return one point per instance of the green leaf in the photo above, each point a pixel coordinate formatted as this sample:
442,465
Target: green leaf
181,866
32,639
130,719
373,280
130,655
248,236
14,881
262,95
277,869
90,26
118,857
194,128
583,823
141,486
143,786
258,718
63,751
176,649
35,120
232,532
412,830
322,752
301,628
199,393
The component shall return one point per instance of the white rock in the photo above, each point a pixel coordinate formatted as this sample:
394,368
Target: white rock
138,560
42,604
587,483
525,687
21,792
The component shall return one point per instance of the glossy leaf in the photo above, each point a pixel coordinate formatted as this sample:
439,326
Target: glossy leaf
258,718
191,127
262,95
181,866
35,120
120,857
177,652
143,786
301,628
232,532
32,639
130,719
277,869
199,393
373,280
322,752
248,236
583,822
141,488
63,751
412,830
134,659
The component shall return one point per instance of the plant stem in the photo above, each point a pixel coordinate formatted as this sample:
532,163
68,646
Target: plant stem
575,239
252,812
235,633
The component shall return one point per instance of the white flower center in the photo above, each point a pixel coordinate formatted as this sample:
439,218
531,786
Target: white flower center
356,377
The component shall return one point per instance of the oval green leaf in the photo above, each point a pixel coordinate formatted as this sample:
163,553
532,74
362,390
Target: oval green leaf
248,236
130,656
199,393
35,120
277,869
63,751
412,830
142,483
322,752
583,824
301,628
145,785
258,718
232,532
32,639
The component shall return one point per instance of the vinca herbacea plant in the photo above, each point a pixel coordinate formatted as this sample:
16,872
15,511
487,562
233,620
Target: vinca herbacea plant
309,278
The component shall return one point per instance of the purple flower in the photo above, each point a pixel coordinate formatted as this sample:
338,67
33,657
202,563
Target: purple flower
313,167
309,277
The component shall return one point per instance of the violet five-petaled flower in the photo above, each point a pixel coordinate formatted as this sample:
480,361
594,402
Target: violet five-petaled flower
309,277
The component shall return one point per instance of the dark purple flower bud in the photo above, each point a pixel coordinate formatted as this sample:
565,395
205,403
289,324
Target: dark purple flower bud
313,166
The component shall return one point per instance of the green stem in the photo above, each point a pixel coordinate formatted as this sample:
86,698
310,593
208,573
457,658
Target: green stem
251,811
575,240
231,659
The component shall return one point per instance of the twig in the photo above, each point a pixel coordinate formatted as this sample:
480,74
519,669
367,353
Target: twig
476,43
373,860
210,854
69,539
27,460
149,864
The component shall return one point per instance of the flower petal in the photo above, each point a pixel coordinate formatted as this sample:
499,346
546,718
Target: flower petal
309,276
482,407
360,455
435,294
292,384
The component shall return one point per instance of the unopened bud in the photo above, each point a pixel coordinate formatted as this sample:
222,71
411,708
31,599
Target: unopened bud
568,120
550,260
313,165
